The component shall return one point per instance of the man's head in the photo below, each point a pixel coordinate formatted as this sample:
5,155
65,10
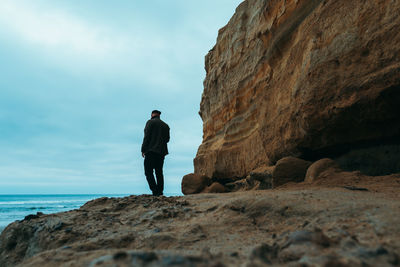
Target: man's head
155,113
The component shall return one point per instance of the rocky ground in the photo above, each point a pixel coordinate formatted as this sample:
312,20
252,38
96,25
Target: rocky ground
345,222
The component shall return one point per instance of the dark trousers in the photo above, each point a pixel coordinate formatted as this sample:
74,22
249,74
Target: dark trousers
154,162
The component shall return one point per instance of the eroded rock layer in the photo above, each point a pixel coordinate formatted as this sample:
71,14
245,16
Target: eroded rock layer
304,78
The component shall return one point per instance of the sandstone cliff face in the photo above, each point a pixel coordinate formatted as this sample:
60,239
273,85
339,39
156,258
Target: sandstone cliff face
304,78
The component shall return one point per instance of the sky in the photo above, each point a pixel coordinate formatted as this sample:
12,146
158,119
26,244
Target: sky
78,80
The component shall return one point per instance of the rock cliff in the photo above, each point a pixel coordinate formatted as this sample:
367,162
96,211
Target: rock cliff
303,78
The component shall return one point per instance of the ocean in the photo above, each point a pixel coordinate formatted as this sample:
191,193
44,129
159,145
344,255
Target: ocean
16,207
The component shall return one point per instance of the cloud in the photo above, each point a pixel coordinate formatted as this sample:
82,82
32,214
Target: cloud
55,29
142,53
156,51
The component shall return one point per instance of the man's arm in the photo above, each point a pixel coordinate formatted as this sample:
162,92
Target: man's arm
168,134
146,138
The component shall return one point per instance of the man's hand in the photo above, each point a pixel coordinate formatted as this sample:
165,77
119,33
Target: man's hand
142,154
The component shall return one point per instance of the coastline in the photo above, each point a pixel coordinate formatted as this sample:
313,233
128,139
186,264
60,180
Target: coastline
15,207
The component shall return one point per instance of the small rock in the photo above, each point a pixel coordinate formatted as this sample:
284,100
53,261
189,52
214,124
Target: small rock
303,236
31,217
381,251
215,188
265,253
145,256
120,255
355,188
300,237
139,258
238,185
263,175
58,226
318,167
194,183
234,254
289,169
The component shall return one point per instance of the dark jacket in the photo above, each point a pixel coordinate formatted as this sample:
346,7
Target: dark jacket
156,137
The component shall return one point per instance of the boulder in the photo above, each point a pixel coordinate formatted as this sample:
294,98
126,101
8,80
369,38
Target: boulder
311,79
264,176
258,179
289,169
245,184
194,183
318,167
215,188
239,185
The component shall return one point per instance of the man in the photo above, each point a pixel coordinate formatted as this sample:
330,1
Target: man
154,149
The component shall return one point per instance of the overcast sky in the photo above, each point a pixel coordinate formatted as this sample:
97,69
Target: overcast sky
78,80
